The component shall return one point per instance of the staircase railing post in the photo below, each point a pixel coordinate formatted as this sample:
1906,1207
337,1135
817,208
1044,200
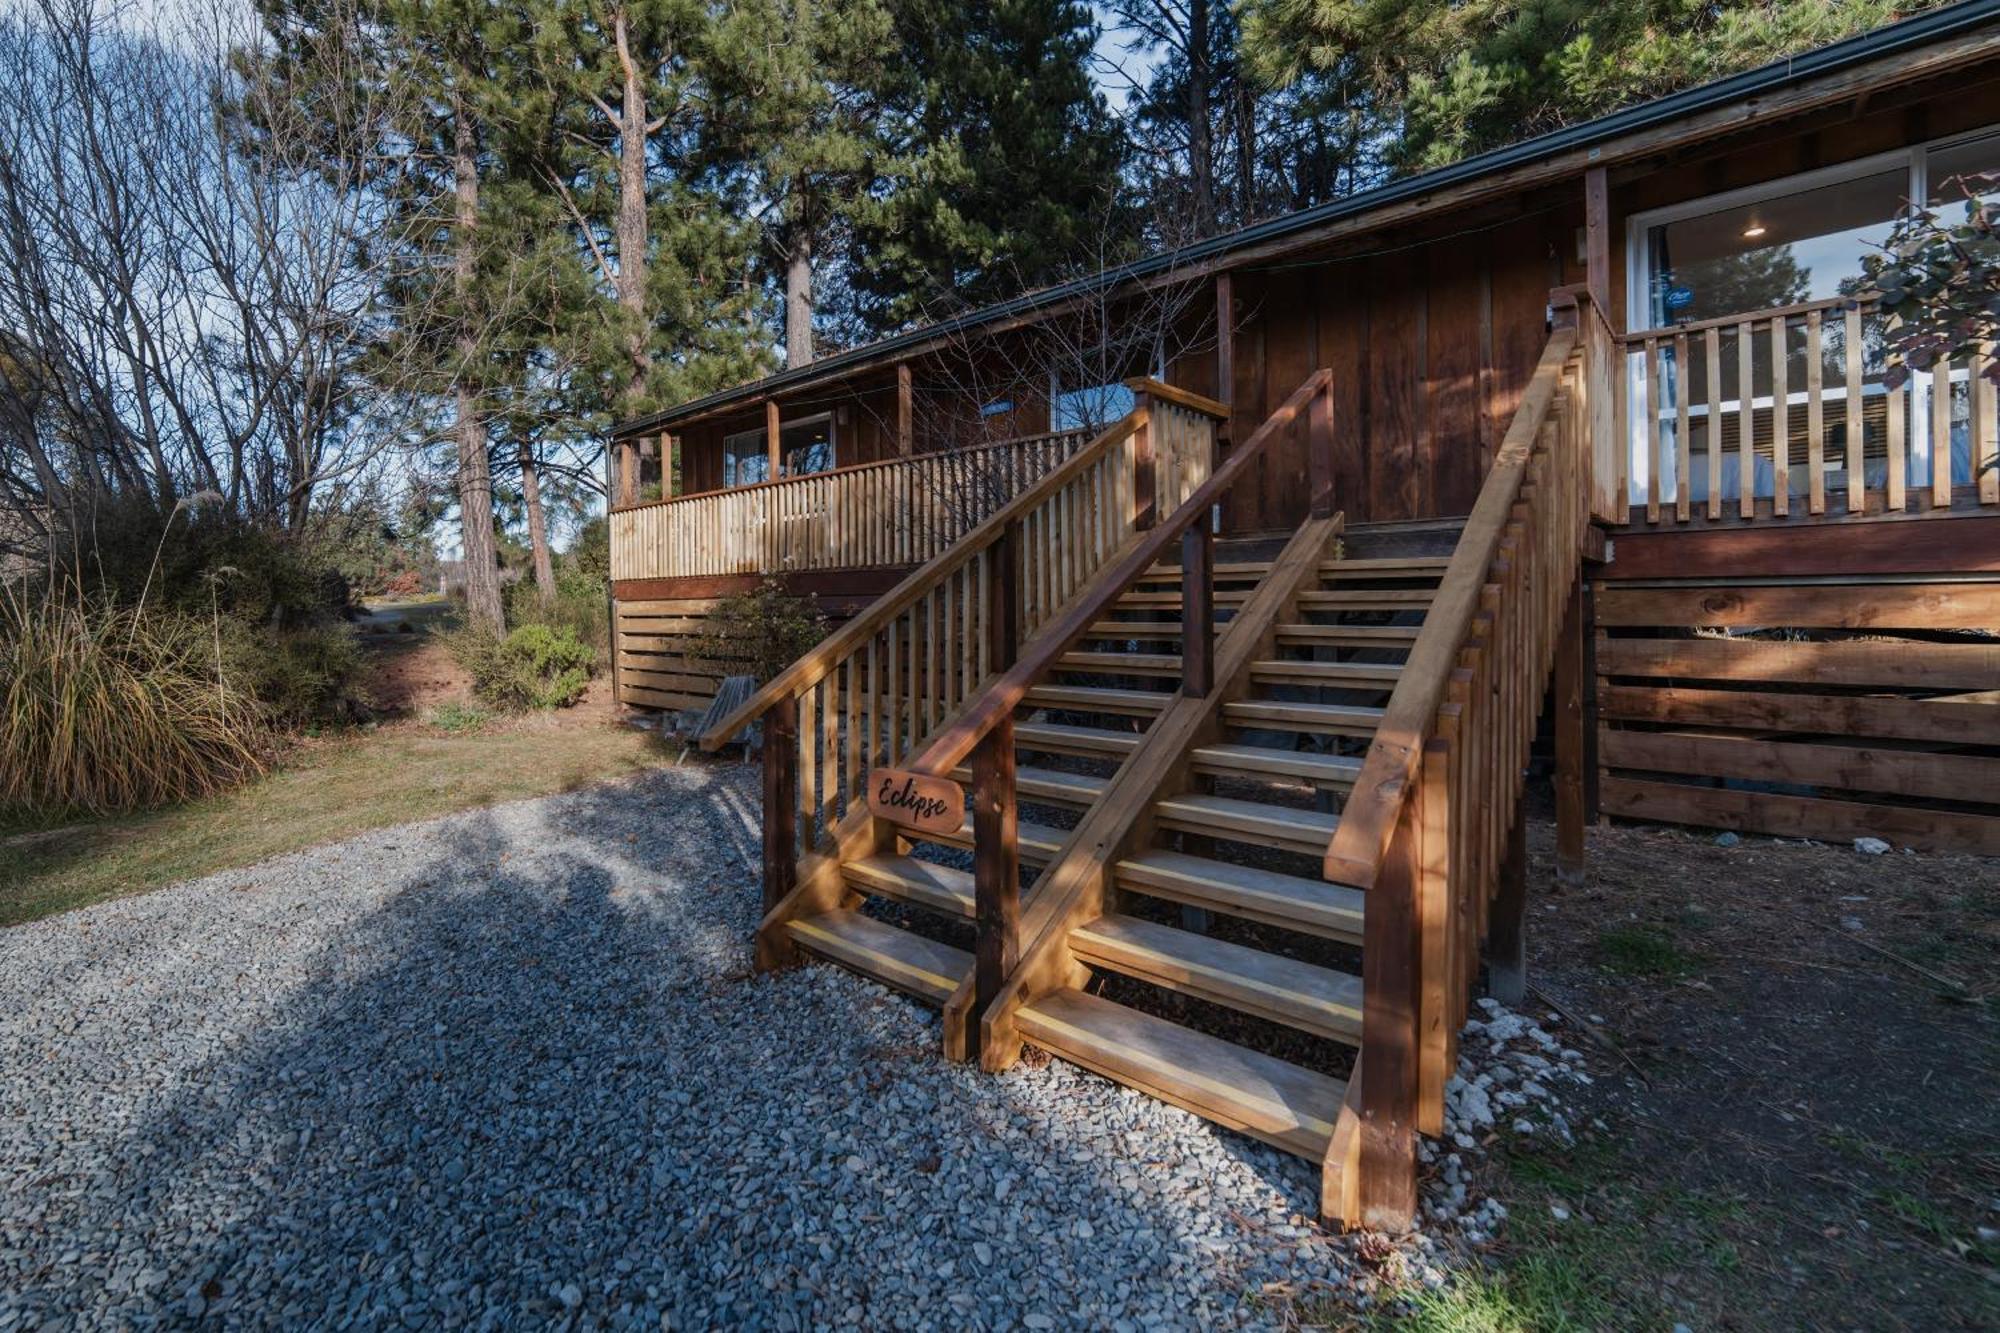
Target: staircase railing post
996,864
781,812
1390,982
1319,451
1198,609
1145,470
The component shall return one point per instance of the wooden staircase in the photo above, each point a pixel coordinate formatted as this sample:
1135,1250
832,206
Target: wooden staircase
1236,830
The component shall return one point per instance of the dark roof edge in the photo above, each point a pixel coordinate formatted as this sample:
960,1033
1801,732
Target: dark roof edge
1919,31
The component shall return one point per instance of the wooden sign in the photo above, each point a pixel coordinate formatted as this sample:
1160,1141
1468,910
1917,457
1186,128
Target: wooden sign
931,805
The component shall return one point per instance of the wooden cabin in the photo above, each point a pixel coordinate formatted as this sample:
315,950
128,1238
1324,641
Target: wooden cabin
1581,439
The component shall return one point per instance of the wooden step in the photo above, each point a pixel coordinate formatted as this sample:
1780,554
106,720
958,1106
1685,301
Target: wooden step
1038,842
1231,571
1311,906
1048,784
897,958
906,879
1347,675
1280,826
1257,761
1122,664
1389,637
1171,601
1312,719
1135,629
1388,567
1093,699
1083,742
1284,990
1270,1099
1368,599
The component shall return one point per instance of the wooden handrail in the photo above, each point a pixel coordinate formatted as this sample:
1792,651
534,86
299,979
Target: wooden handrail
811,668
949,747
1803,308
1368,820
1187,398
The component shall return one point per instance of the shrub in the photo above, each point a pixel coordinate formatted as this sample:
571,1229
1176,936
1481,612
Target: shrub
302,676
762,631
458,718
580,602
534,666
115,709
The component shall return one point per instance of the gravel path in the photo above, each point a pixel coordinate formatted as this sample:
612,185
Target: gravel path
512,1069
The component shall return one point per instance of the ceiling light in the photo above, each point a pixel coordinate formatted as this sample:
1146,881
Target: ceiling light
1753,231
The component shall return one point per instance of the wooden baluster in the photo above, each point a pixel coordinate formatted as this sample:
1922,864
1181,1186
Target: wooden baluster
1711,344
1985,449
1683,447
1435,981
1897,494
781,826
996,864
1781,427
1198,609
1746,423
1653,429
1003,604
1815,416
1941,434
1144,502
1857,420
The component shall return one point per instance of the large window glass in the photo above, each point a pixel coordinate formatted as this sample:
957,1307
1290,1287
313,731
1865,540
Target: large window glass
745,458
807,445
1091,408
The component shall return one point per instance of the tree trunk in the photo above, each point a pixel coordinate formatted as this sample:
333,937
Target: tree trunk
799,298
632,131
1201,156
475,470
538,528
1246,151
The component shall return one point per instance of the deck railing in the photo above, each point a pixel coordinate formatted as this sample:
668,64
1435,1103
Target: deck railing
1758,415
877,690
902,511
1427,829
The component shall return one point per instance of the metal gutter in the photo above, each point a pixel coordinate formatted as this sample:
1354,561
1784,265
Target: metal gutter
1909,34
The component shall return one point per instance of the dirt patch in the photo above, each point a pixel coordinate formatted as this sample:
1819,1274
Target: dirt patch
1798,1108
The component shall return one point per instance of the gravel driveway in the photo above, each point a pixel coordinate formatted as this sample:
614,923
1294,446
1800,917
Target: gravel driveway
512,1069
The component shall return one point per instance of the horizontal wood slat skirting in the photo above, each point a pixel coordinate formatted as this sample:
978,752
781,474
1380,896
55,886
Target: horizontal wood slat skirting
1875,714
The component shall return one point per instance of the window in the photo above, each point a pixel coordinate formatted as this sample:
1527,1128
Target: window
1783,243
805,446
1090,409
745,459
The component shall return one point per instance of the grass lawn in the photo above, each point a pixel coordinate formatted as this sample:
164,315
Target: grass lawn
324,790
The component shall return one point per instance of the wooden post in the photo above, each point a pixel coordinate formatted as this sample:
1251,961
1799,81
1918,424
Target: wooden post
628,472
1144,506
996,864
781,812
1389,979
905,410
1198,609
1597,237
1593,805
1571,812
1225,347
667,488
1506,932
1319,452
1003,614
776,454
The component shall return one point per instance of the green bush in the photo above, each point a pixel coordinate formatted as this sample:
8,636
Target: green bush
304,676
580,602
114,709
534,666
762,631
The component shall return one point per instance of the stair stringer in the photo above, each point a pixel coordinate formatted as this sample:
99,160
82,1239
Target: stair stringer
1075,887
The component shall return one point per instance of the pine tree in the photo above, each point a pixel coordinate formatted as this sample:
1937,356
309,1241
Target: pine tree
1440,79
798,103
1005,166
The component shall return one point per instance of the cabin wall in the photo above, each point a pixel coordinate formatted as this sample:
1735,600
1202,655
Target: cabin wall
1430,344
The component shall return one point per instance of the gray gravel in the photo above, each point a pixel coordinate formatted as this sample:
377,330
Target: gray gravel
512,1069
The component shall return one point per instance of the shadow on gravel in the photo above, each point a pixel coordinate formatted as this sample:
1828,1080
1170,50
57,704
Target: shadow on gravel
537,1084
